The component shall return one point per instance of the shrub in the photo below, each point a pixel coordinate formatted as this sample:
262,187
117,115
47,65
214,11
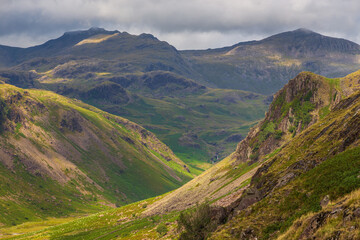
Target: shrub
162,229
292,129
278,134
196,224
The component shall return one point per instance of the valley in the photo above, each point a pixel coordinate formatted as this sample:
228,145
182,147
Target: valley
241,142
64,153
324,150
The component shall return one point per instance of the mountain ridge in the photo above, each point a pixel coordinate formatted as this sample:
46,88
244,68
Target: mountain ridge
62,152
121,63
272,197
265,65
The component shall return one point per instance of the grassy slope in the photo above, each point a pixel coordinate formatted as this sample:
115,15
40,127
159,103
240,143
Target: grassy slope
121,223
177,117
140,220
340,219
56,164
223,184
322,160
123,56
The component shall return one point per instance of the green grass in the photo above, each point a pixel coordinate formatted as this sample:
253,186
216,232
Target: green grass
320,167
335,177
110,168
172,116
125,223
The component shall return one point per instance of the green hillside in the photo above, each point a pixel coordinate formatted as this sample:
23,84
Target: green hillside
306,187
59,156
139,76
173,107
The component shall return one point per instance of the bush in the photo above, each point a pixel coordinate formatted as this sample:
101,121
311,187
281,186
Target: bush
197,224
292,129
278,134
162,229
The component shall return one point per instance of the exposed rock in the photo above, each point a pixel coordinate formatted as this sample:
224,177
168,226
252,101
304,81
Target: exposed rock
129,140
234,138
304,88
71,121
315,223
325,201
249,197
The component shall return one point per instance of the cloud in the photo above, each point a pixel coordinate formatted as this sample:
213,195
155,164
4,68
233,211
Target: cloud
186,24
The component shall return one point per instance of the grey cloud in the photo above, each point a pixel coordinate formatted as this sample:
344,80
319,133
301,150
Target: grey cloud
185,24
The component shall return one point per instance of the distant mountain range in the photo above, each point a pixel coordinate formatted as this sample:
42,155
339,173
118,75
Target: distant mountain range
145,80
259,66
265,66
173,92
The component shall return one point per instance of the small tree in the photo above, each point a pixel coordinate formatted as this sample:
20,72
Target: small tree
162,229
196,224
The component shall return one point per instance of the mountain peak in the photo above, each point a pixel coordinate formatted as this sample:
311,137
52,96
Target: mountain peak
303,42
90,31
303,30
96,29
293,35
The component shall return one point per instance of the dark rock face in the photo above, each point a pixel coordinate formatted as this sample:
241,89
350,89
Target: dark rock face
305,89
189,140
129,140
234,138
315,223
71,121
19,78
248,198
3,115
170,83
107,91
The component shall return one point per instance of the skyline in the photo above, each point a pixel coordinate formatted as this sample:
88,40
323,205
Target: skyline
197,24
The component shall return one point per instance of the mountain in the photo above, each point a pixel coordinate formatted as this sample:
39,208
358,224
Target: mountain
59,156
113,51
304,186
147,81
11,56
265,66
171,92
301,103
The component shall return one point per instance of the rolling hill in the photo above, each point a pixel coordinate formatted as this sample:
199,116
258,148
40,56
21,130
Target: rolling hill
144,80
302,184
60,156
171,92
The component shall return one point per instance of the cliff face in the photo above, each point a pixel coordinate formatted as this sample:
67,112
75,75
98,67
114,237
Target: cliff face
317,165
301,103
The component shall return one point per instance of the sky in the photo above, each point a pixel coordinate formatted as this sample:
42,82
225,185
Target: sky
186,24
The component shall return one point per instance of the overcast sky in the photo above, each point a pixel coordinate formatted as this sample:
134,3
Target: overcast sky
186,24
